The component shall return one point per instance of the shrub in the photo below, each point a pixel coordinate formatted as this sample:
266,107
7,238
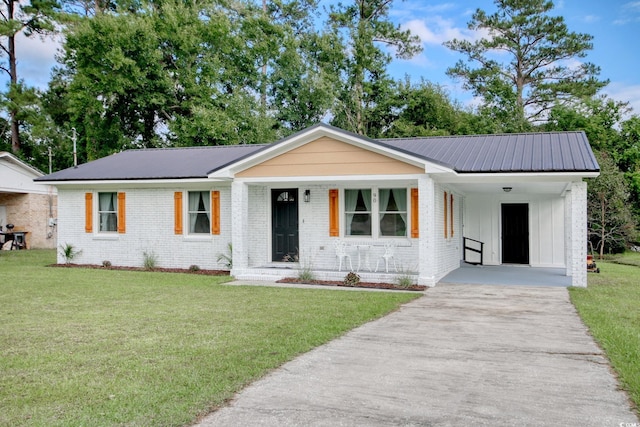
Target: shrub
69,252
194,268
150,260
106,264
306,275
226,259
351,279
404,281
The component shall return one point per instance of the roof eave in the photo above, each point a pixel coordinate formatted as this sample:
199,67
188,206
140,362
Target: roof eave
317,131
111,182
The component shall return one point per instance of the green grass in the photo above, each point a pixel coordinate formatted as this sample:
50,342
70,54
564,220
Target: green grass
627,258
82,347
610,307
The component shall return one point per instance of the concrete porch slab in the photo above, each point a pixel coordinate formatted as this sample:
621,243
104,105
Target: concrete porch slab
507,275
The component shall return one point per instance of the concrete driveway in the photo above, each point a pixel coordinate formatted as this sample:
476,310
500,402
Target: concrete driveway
462,355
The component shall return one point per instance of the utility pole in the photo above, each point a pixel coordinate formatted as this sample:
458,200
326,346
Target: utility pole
75,153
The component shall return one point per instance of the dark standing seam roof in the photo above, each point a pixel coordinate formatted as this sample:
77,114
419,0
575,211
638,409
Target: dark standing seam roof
158,163
526,152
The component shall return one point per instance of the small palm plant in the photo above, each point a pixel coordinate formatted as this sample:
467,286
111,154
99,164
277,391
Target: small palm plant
226,259
69,252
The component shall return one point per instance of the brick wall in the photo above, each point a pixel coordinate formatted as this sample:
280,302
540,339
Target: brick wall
31,212
578,245
149,228
449,248
316,246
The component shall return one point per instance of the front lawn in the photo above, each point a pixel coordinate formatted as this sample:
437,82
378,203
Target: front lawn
610,307
97,347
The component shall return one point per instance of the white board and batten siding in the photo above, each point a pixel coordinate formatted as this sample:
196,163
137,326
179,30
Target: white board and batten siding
482,221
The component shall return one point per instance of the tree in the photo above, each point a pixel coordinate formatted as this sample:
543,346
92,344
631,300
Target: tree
603,121
117,82
427,110
629,158
537,75
610,222
599,117
300,79
366,31
36,17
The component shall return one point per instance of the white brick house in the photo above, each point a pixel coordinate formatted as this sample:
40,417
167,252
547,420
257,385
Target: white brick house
283,206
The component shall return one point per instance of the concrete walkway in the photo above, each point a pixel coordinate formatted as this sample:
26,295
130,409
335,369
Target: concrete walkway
462,355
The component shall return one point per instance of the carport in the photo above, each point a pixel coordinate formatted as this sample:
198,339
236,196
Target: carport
514,275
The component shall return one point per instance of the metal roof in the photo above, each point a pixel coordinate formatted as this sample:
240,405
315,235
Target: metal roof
504,153
521,152
156,163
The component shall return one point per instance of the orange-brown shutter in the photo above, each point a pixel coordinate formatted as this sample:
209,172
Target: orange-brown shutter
88,212
334,214
451,213
122,214
215,212
446,216
415,219
177,212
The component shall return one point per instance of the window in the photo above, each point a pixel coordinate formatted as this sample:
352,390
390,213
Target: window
286,196
393,212
108,212
357,209
199,212
448,215
376,212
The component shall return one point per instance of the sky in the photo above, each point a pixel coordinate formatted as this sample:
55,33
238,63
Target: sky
614,24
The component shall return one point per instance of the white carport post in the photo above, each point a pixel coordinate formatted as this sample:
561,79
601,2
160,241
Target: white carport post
577,243
427,223
239,226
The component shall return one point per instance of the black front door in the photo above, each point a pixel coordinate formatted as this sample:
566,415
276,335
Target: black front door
515,233
284,220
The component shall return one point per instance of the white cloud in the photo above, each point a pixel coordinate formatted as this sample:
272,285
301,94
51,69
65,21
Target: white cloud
632,5
35,57
625,93
630,12
437,30
591,18
405,10
420,61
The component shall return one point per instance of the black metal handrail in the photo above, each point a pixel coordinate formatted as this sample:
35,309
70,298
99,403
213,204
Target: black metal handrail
466,248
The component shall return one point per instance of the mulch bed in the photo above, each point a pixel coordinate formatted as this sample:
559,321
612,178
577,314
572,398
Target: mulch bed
368,285
161,270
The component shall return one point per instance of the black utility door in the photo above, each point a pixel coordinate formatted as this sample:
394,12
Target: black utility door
515,233
284,220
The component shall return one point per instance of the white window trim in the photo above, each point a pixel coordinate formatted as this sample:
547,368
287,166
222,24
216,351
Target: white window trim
187,234
187,216
375,213
106,235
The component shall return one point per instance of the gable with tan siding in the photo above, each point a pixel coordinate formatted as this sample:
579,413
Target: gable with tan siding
329,157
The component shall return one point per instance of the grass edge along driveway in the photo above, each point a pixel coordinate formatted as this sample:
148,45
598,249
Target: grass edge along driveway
609,307
95,347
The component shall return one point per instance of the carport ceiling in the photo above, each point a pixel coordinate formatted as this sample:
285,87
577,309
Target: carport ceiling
556,188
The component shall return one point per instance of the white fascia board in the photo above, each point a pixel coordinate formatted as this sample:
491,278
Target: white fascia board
516,177
22,165
137,183
313,134
329,179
